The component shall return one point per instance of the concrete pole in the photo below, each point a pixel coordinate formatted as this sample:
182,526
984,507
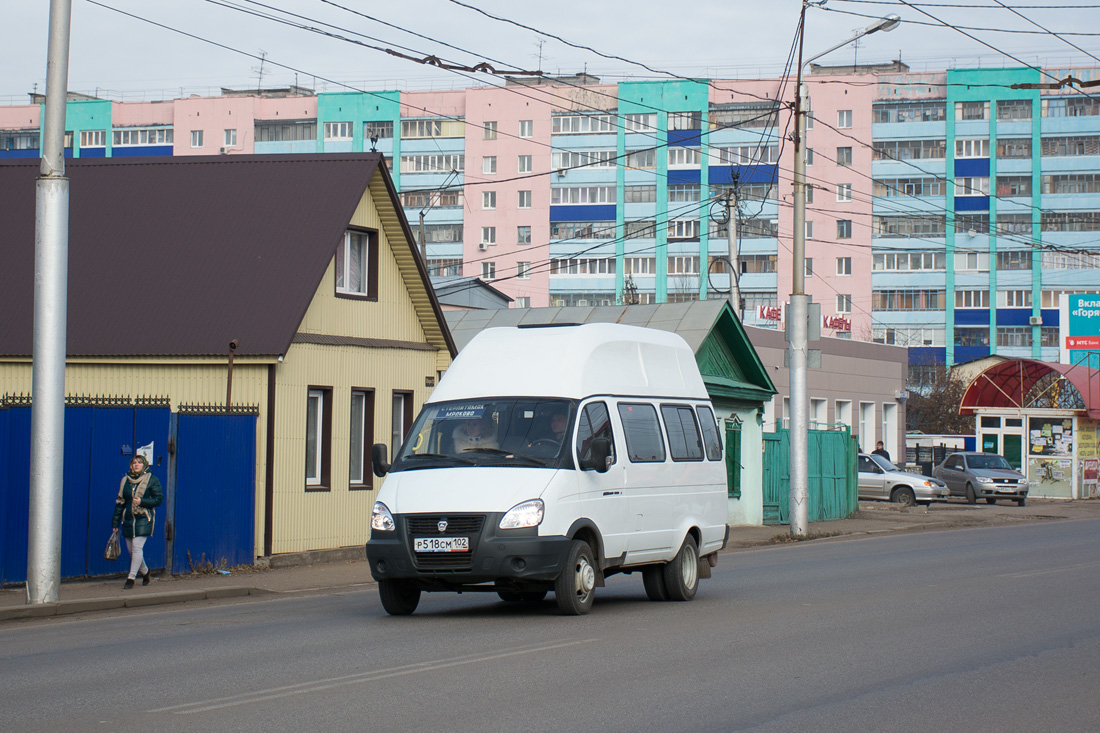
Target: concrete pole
731,232
51,277
797,324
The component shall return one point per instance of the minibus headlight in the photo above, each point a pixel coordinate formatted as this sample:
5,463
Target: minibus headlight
381,519
527,514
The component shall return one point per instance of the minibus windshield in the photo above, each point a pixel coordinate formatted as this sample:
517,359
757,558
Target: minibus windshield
498,431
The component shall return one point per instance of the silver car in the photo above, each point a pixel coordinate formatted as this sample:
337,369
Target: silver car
984,475
880,479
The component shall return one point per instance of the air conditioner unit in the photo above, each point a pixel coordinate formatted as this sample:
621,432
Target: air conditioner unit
1035,321
223,150
482,246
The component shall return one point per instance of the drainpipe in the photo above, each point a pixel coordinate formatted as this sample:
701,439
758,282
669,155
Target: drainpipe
229,378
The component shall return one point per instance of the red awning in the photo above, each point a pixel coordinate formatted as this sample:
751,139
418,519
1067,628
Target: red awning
1009,383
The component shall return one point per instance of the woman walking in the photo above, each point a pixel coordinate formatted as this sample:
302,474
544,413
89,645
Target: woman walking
138,496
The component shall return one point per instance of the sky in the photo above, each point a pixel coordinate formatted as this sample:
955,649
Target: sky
122,57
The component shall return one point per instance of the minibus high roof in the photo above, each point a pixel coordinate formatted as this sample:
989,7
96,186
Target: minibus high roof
573,361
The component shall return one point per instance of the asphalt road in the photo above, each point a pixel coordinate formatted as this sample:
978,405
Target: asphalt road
979,629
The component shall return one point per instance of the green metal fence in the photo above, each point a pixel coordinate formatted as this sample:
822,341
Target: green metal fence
832,472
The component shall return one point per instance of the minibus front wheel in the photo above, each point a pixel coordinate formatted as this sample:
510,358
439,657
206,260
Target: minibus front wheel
575,588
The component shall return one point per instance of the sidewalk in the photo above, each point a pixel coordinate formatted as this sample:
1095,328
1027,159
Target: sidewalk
331,570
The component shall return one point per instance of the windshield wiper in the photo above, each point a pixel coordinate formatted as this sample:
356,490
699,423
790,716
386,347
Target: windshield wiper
443,456
509,454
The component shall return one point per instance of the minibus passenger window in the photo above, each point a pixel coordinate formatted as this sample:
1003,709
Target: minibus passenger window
710,433
642,431
595,423
683,433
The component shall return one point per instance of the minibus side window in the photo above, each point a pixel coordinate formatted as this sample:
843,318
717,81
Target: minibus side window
642,431
711,439
684,442
595,422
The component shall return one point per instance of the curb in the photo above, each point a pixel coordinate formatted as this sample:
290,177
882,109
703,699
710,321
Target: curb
65,608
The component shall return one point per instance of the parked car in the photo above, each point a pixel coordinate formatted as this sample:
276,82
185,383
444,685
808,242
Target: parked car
880,479
985,475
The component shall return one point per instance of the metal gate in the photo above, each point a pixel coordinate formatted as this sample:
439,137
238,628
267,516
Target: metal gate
833,481
99,442
214,496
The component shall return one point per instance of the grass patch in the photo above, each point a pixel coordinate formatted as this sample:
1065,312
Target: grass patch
780,539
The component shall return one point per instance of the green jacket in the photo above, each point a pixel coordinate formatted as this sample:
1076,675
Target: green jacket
142,523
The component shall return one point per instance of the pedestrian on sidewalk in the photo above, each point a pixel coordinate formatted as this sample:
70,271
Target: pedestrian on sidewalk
881,451
139,495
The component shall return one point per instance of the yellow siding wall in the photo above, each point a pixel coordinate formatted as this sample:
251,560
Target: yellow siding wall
339,517
180,383
391,317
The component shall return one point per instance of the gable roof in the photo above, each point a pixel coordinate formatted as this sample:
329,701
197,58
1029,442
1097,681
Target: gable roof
727,360
178,256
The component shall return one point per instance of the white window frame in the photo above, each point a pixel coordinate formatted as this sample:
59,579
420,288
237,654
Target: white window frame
843,192
526,128
525,163
523,270
488,270
489,164
488,235
524,200
315,411
230,137
843,266
520,239
844,119
488,200
843,303
93,139
196,138
343,257
339,132
490,130
358,432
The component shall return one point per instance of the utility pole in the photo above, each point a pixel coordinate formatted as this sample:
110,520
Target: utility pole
735,267
51,280
798,314
423,242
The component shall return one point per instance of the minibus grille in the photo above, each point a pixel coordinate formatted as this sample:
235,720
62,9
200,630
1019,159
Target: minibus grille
427,525
424,524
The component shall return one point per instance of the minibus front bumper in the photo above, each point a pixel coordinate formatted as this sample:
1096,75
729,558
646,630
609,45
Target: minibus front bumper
453,551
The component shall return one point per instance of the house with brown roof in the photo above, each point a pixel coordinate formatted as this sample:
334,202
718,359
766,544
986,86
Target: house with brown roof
306,264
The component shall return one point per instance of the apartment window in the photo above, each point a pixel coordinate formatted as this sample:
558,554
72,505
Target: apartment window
318,438
93,138
808,270
523,235
904,261
843,303
561,161
683,229
681,157
809,230
1014,147
582,124
844,118
844,229
522,302
683,193
972,336
971,110
1014,336
750,264
196,138
488,271
972,299
641,159
910,112
525,164
488,235
138,136
1013,185
490,130
434,163
809,156
972,186
975,148
523,270
843,192
582,195
640,194
489,164
360,438
524,200
526,128
357,264
843,265
640,122
400,419
1013,298
488,200
230,138
810,193
975,261
375,130
844,156
1076,145
926,225
1014,260
1014,109
335,131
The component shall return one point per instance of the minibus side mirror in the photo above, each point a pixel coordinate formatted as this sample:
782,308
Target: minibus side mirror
599,456
378,460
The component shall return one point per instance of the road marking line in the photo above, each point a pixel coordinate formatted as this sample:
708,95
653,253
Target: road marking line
1046,571
272,693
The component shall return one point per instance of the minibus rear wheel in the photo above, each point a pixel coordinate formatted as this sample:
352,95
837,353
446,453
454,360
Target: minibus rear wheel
653,577
682,574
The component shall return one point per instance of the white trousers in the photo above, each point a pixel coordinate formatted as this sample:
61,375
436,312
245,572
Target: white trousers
136,547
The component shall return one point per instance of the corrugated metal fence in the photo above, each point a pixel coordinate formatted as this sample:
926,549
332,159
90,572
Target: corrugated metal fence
833,484
216,491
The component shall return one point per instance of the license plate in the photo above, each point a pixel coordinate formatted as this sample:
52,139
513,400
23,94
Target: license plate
441,544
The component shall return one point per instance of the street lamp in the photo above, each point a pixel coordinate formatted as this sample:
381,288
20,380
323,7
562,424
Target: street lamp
800,302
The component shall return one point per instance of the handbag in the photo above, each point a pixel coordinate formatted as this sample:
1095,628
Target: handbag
113,550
